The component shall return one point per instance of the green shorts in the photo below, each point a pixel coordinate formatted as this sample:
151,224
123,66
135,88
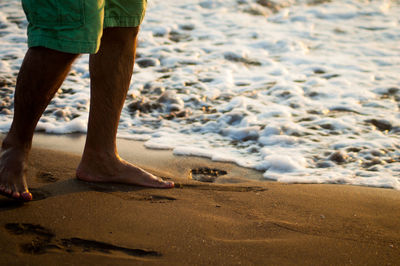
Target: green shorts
76,26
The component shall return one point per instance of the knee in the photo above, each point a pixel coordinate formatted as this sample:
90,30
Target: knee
120,34
44,54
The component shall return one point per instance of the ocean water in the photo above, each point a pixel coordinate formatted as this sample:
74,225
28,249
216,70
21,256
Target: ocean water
305,91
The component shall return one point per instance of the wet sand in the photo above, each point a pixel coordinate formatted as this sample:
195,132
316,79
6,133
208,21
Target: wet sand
232,221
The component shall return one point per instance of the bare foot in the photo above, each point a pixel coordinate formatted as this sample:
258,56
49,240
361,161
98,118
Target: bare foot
112,169
12,174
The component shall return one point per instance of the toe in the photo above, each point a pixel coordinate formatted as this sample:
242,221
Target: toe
16,195
169,184
26,196
8,191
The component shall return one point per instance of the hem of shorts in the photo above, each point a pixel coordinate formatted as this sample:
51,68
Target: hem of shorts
66,46
122,21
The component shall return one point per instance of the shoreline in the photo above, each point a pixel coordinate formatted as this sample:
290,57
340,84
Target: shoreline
230,222
176,166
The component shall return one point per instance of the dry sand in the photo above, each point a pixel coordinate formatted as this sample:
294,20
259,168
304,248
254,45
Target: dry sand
231,222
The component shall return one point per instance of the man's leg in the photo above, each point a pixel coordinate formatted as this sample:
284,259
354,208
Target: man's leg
42,73
110,72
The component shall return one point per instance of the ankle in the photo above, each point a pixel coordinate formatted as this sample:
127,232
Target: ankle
90,155
11,143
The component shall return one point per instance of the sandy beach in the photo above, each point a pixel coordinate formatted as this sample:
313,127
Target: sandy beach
231,221
300,91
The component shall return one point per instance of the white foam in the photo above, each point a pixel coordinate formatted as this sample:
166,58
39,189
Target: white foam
283,163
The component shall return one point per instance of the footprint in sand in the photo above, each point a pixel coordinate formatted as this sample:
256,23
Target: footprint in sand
39,237
205,174
46,177
78,244
41,240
